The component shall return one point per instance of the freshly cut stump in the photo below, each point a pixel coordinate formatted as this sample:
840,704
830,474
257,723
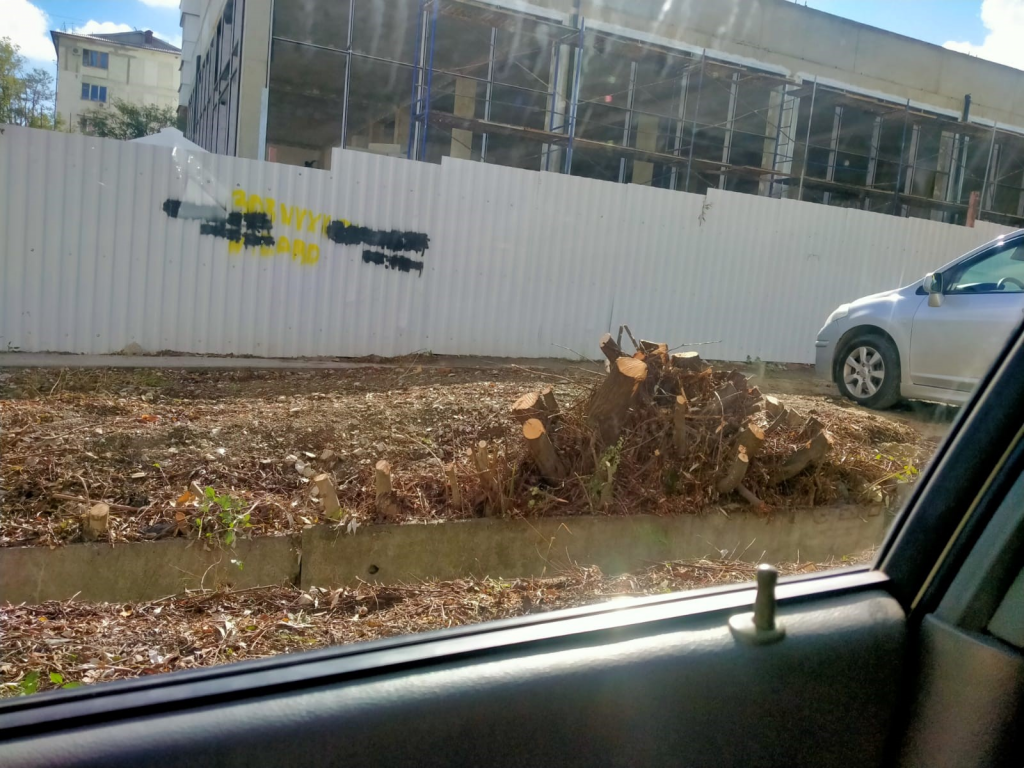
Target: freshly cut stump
453,486
94,522
734,472
385,495
751,439
610,404
547,396
811,453
324,486
543,451
530,406
610,348
688,361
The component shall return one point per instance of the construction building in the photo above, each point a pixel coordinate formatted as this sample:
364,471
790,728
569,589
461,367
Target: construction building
93,70
765,97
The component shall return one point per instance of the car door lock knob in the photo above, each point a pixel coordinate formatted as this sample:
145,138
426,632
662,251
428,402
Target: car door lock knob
760,626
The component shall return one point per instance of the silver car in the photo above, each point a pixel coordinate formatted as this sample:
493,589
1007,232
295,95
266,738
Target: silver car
933,339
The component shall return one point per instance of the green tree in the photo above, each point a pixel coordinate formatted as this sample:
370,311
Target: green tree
11,84
125,120
26,97
36,110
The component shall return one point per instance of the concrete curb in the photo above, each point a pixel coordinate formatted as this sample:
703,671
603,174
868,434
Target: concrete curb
391,554
143,570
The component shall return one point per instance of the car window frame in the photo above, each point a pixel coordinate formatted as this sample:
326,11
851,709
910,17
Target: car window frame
958,269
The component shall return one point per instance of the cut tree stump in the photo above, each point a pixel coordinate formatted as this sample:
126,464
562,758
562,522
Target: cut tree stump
332,509
453,486
734,472
94,522
610,348
653,348
547,396
812,426
811,453
739,381
385,494
530,406
795,418
543,451
751,439
680,432
773,406
688,361
609,406
776,424
721,400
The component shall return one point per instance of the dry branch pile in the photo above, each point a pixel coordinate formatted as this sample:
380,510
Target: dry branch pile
669,429
117,455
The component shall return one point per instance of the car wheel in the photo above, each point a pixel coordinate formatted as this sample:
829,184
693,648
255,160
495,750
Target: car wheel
868,371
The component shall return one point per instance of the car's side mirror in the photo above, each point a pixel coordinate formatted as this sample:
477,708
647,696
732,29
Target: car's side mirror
934,284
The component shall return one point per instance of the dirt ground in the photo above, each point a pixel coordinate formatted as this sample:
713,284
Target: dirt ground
140,439
61,644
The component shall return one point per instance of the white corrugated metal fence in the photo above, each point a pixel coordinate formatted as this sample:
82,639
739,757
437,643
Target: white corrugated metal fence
105,243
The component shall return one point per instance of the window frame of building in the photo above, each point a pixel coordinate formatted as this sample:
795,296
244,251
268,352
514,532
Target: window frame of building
95,59
100,91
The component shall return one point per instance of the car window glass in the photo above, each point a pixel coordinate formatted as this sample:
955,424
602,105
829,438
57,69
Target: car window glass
1002,271
678,266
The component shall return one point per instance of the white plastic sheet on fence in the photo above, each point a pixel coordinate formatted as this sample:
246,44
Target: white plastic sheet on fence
519,263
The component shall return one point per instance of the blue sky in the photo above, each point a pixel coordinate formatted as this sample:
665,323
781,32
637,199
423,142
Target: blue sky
935,21
28,22
990,29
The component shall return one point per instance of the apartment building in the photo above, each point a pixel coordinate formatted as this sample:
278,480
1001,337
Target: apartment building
93,70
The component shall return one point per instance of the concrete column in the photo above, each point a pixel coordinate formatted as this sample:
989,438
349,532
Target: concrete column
780,127
253,77
465,106
646,138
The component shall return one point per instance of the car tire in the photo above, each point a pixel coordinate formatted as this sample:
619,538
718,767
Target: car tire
867,371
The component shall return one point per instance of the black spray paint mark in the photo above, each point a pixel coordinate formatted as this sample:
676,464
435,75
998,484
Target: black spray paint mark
176,209
388,261
254,229
353,234
250,229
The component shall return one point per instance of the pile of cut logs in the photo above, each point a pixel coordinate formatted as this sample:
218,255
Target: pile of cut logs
710,423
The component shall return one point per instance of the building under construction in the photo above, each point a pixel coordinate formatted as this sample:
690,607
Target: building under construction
764,97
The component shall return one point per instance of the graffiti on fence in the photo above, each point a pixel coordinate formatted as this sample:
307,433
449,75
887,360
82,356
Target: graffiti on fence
251,225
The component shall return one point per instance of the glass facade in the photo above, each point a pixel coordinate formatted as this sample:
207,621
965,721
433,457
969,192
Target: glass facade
455,78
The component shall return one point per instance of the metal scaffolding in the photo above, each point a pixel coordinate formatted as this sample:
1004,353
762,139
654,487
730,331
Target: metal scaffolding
678,120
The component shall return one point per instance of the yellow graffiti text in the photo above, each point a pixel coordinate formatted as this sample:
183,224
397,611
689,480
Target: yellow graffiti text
300,250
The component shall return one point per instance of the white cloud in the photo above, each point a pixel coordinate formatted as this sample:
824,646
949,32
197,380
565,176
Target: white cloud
1004,25
101,28
27,26
174,39
160,3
